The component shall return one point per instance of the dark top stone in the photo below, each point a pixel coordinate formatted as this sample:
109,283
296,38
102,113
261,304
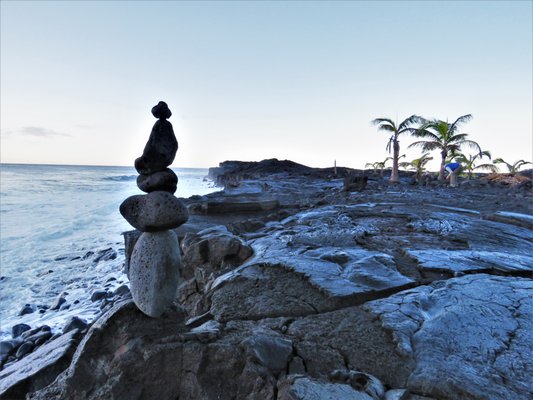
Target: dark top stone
160,149
165,181
161,111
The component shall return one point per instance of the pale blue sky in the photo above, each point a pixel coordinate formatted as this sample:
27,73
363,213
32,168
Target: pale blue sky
253,80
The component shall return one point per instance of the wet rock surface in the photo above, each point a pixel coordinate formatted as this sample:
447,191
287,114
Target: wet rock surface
395,292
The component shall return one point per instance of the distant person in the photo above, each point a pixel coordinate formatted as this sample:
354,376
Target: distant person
453,170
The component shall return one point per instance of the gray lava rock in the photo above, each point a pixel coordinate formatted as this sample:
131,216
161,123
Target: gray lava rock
122,291
75,323
19,329
475,330
156,211
24,349
216,247
271,351
165,181
161,147
360,381
27,309
98,295
124,355
233,206
155,268
40,337
105,255
353,183
396,394
58,302
8,346
304,388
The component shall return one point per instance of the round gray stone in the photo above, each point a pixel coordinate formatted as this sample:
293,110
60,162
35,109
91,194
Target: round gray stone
155,269
153,212
165,181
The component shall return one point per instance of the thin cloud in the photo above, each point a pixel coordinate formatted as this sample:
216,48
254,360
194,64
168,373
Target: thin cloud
39,131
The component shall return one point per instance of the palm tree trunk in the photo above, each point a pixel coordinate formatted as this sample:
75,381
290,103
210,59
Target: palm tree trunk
443,154
394,177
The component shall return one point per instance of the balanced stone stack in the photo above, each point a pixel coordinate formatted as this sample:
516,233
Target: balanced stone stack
155,263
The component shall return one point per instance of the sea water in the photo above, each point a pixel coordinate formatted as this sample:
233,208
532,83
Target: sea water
60,234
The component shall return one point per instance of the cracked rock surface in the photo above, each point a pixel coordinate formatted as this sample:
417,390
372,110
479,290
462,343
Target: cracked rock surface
470,337
391,293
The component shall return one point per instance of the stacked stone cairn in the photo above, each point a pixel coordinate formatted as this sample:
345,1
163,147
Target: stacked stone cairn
155,263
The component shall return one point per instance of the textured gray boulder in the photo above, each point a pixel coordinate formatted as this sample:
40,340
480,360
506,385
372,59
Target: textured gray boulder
165,181
156,211
155,268
273,352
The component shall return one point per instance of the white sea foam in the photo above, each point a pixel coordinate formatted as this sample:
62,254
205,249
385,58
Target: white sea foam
51,219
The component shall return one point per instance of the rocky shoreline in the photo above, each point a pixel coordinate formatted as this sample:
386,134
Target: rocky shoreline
295,288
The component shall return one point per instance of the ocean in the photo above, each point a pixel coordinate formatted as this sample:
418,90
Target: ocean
60,234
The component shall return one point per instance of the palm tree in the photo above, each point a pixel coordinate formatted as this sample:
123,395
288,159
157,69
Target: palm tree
418,164
378,165
468,163
443,136
388,125
513,168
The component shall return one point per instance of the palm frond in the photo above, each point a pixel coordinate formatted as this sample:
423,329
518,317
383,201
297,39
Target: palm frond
461,120
471,144
457,138
408,122
425,145
378,121
502,161
384,124
426,134
484,153
522,162
386,128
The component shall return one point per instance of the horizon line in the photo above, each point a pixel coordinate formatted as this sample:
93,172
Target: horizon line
88,165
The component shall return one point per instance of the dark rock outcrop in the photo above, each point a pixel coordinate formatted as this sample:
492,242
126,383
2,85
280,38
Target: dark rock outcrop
386,294
39,368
